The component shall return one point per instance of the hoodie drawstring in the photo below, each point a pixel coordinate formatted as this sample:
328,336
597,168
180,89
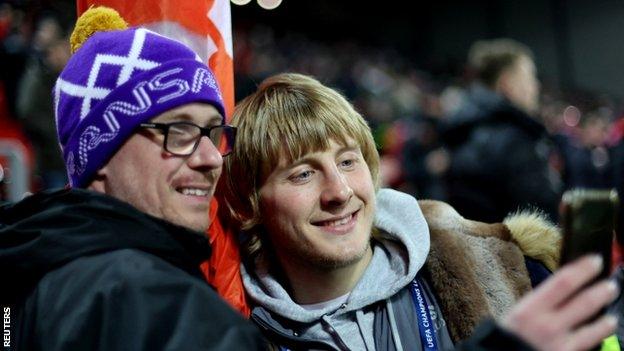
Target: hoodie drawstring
359,316
393,326
341,344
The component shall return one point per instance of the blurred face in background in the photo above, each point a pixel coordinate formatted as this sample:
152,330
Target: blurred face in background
519,84
57,55
594,131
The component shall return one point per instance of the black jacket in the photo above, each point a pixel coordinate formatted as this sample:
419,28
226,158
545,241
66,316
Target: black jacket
84,271
499,160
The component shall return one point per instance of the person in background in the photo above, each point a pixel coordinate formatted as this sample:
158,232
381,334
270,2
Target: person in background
587,157
331,262
34,102
113,262
500,151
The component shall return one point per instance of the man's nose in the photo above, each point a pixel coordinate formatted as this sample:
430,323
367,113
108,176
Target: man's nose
336,189
206,155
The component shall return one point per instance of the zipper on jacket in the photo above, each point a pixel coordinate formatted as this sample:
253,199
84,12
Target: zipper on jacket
282,338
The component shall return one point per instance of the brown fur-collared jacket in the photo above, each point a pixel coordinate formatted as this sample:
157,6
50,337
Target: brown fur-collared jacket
478,270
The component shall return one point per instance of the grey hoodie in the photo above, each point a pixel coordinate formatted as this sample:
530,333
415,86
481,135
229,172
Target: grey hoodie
397,256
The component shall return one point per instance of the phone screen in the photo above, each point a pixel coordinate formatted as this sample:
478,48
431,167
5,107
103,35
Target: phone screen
588,218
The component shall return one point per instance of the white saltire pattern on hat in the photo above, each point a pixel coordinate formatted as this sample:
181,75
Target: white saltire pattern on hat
127,63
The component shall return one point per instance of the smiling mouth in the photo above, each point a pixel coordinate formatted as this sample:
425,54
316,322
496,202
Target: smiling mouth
193,192
339,222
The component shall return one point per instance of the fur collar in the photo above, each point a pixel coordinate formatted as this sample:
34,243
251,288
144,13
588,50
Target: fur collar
536,236
478,269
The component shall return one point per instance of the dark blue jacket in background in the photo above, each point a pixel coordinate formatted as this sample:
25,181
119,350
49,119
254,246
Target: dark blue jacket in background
500,160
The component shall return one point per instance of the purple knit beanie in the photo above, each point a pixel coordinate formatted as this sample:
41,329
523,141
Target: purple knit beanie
116,81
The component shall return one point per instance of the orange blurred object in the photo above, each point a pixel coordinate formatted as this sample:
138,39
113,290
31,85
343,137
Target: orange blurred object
222,271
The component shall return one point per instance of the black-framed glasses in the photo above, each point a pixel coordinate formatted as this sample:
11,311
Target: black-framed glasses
182,138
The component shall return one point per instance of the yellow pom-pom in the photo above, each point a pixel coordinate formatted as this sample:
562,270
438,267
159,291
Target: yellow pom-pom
95,19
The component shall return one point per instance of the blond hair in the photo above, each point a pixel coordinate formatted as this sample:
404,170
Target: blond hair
288,116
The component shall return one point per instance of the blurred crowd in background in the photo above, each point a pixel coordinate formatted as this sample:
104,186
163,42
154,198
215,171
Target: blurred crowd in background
410,110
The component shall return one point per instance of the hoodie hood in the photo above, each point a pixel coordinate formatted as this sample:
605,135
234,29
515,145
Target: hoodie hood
51,228
398,254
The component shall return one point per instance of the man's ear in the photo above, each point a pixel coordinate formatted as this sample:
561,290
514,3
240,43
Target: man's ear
99,180
503,82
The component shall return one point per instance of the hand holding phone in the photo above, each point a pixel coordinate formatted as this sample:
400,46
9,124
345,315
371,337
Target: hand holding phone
563,312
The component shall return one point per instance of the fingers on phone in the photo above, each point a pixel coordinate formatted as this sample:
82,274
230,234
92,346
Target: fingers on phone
587,303
591,334
568,280
558,312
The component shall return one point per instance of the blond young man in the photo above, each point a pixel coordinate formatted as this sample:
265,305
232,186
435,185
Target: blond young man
335,263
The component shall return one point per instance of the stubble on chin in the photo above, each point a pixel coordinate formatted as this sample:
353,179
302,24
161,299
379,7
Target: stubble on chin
196,218
191,222
337,260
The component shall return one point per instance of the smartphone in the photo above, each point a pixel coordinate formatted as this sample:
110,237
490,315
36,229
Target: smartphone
588,217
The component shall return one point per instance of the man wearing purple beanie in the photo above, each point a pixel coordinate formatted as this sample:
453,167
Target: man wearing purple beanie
112,262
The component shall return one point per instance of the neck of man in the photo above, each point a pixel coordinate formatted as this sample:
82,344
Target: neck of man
312,284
